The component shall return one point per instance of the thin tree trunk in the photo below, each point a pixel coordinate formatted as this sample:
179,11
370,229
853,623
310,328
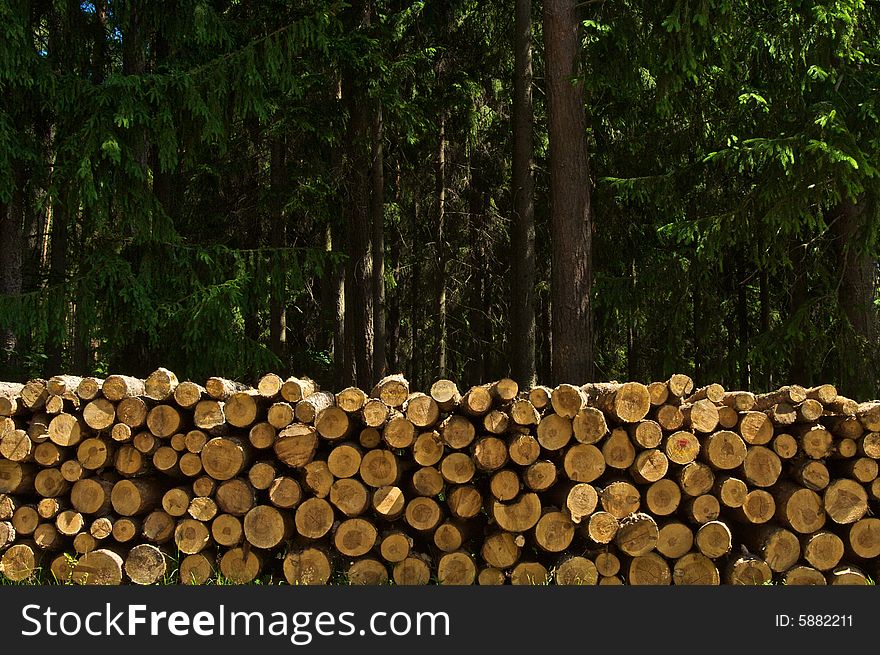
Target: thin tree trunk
359,281
11,222
742,313
414,297
764,292
571,215
856,294
798,371
523,230
278,239
377,209
393,354
440,213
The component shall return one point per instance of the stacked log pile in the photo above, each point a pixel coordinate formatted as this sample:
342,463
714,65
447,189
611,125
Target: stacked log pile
130,480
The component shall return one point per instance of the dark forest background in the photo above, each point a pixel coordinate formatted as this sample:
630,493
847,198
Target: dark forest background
471,189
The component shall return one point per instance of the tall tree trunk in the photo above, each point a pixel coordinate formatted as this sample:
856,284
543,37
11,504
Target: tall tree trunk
743,323
764,319
857,292
523,230
393,354
415,267
440,213
11,224
571,215
278,239
798,373
377,209
359,280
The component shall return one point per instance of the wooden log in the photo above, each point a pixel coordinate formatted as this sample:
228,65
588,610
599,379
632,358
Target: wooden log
602,527
741,401
146,443
393,390
457,568
554,531
500,550
196,569
48,454
350,497
224,458
695,569
702,509
20,561
398,432
117,387
188,394
241,565
427,448
17,446
728,418
318,478
295,389
649,466
395,546
314,518
307,566
280,415
755,428
333,424
518,516
845,501
674,540
457,431
450,535
700,416
464,502
496,421
176,501
530,574
379,468
66,430
758,507
748,570
164,421
202,508
136,497
567,400
695,479
7,535
91,496
681,447
308,408
145,564
242,407
607,564
803,575
848,575
620,499
265,526
351,400
49,483
680,385
575,570
227,530
489,453
94,453
659,393
209,415
427,481
10,398
785,445
129,461
237,496
523,412
843,405
261,475
799,508
628,402
811,473
669,417
504,485
25,520
540,476
388,502
33,394
190,465
69,523
477,401
48,508
863,538
125,529
191,536
132,412
724,450
445,394
355,537
618,451
8,504
637,534
761,467
523,449
413,571
782,414
554,432
823,550
423,514
539,396
792,394
422,410
714,539
375,413
663,497
730,491
222,389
